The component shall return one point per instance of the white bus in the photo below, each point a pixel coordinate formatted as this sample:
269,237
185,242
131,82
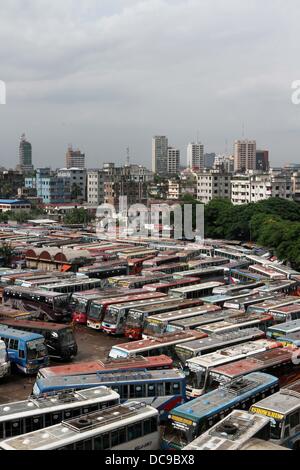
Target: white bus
199,378
35,413
196,291
233,432
132,426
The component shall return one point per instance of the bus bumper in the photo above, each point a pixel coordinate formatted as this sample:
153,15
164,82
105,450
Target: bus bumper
94,326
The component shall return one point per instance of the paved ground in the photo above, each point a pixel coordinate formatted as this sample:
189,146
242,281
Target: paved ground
92,345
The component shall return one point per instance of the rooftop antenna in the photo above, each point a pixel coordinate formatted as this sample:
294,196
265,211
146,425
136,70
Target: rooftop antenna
128,156
226,146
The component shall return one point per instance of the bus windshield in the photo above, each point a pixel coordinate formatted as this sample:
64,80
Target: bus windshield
80,306
276,428
95,311
134,320
111,316
61,301
154,327
36,349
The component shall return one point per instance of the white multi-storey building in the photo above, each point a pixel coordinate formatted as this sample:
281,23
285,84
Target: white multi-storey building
195,156
95,187
258,187
213,184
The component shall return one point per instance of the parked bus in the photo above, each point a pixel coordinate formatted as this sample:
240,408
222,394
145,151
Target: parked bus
238,322
274,304
4,361
199,378
196,291
229,254
283,411
210,344
132,426
71,286
244,276
283,329
233,288
81,301
105,272
281,362
166,268
137,316
192,323
280,287
98,308
137,282
292,340
267,272
116,315
35,413
159,260
211,274
26,351
234,433
43,305
154,347
176,283
222,299
190,420
243,303
163,389
59,339
108,365
158,324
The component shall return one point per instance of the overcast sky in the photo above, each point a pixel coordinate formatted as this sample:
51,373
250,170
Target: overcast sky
105,74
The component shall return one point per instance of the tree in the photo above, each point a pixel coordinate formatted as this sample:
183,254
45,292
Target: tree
77,217
76,192
6,253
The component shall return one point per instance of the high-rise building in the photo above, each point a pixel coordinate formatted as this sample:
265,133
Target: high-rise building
74,158
25,155
173,161
160,155
262,160
209,159
244,155
195,156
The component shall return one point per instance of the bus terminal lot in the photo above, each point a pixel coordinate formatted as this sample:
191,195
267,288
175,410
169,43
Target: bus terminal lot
92,345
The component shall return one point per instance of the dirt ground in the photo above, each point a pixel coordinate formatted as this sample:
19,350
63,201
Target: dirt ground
92,345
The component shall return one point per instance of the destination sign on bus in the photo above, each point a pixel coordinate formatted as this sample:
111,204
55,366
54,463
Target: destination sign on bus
268,413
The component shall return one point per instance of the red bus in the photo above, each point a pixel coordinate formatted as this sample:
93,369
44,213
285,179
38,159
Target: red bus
281,362
109,365
99,307
81,301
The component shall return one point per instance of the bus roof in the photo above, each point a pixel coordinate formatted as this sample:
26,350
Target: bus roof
6,332
135,362
283,402
232,353
222,397
166,339
183,313
287,308
222,339
194,288
96,423
36,292
168,301
290,326
111,378
51,400
257,362
34,324
280,301
244,426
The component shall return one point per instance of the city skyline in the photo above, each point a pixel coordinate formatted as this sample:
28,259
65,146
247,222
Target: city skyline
108,85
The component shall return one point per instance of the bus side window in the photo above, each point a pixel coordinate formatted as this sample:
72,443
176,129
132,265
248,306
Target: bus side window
151,390
294,420
14,344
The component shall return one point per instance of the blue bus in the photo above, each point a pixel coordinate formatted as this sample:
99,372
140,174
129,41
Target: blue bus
26,351
190,420
162,389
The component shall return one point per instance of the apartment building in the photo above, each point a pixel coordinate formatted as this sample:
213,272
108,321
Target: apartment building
249,188
212,184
